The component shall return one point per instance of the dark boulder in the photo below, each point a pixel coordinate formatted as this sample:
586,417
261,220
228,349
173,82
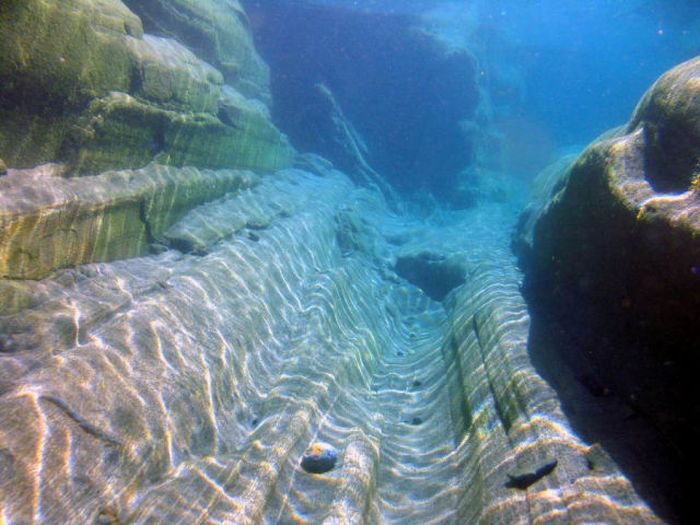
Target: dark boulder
614,274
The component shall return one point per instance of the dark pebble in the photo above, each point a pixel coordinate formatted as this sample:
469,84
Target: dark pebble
319,458
416,421
416,383
253,237
400,353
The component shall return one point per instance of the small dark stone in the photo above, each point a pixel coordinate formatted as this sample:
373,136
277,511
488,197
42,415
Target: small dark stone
255,422
7,345
400,353
319,458
253,237
523,481
416,383
416,421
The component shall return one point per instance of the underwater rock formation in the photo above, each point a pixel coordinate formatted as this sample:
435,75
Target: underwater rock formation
186,388
406,92
548,183
83,85
615,269
173,338
433,273
218,31
49,222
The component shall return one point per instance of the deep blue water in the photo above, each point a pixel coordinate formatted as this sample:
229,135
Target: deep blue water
543,76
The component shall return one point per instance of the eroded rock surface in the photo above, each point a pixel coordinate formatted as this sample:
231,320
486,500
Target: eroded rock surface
49,222
218,31
173,338
615,269
187,388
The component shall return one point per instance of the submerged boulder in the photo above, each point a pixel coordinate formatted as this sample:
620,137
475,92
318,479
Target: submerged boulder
434,273
615,266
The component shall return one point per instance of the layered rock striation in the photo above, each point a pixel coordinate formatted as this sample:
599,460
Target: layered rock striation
82,84
184,316
188,387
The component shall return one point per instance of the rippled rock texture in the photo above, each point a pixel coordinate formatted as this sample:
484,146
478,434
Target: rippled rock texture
48,222
614,276
187,387
176,332
82,84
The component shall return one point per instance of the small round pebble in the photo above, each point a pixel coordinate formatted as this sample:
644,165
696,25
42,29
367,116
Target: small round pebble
319,458
400,353
416,421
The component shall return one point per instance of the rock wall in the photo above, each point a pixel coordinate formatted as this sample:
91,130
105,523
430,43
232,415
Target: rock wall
83,87
405,91
82,84
48,222
613,272
216,30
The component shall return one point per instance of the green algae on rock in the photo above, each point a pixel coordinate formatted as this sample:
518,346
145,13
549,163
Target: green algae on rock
82,84
48,222
170,75
55,57
121,131
65,52
217,31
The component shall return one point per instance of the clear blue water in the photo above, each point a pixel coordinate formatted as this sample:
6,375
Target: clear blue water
558,74
381,314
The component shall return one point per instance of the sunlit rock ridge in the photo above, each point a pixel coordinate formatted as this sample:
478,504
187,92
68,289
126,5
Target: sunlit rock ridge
187,303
